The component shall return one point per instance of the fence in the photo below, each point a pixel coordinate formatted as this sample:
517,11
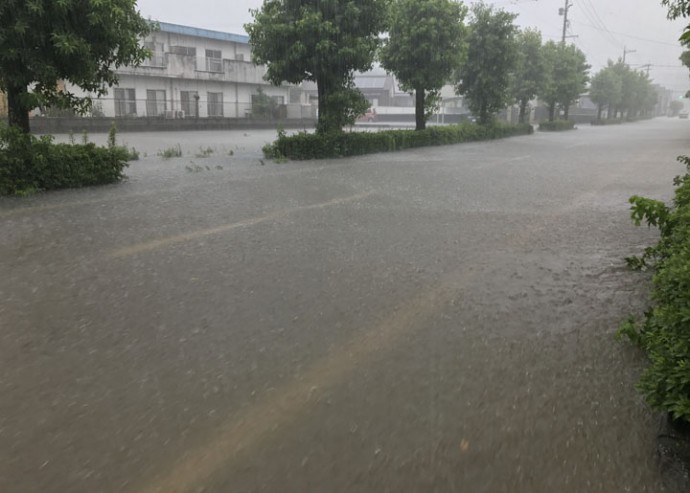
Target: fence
191,106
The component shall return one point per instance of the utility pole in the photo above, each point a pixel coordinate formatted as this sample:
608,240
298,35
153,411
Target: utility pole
626,51
647,66
564,12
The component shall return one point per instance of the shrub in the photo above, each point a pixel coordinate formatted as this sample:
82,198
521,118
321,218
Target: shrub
557,126
665,331
612,121
28,163
342,144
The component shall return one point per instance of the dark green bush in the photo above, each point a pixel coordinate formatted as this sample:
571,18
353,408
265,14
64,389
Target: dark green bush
556,126
612,121
342,144
28,163
665,331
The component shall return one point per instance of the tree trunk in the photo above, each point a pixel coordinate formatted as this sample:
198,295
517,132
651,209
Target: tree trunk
552,111
420,117
523,111
17,113
600,108
566,111
321,91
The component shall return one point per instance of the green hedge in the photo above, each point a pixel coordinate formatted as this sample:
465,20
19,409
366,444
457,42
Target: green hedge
556,126
342,144
612,121
665,331
28,163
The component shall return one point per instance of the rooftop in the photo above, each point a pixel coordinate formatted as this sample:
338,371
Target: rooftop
202,33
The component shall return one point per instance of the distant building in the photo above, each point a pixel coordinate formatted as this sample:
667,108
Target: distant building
663,100
196,73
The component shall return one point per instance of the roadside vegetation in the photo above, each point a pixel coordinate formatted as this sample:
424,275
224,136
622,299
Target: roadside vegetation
342,144
556,126
664,330
29,164
42,47
625,94
664,333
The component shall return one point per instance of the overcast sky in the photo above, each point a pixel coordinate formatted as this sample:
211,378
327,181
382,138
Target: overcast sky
604,28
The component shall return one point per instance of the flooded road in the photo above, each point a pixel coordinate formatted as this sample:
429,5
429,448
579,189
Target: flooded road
436,320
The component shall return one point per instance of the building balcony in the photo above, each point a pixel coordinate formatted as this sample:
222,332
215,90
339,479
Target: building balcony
174,66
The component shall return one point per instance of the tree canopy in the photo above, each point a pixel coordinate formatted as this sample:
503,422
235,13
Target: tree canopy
530,70
322,41
625,91
425,47
484,79
606,89
566,76
43,42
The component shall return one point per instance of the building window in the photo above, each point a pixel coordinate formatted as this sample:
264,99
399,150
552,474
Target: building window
239,57
190,103
278,99
155,103
183,50
214,62
188,52
157,58
125,102
215,104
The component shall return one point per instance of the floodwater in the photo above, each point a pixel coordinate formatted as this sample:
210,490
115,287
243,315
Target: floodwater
434,320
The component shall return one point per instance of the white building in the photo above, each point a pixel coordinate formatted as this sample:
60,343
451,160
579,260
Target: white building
196,73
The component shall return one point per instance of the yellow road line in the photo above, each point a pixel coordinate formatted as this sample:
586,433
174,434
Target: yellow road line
151,245
282,406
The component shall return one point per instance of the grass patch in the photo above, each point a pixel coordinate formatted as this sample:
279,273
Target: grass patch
171,152
203,153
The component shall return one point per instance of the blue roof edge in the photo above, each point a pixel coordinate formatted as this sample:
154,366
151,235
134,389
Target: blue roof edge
166,27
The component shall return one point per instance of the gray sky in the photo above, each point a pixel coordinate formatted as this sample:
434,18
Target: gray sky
604,28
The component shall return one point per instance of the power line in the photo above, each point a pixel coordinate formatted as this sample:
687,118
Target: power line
633,36
591,14
596,15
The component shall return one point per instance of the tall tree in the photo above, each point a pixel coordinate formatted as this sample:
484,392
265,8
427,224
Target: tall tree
426,45
43,42
529,75
323,41
566,76
606,89
484,79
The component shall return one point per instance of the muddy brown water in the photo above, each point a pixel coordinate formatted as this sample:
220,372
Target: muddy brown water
435,320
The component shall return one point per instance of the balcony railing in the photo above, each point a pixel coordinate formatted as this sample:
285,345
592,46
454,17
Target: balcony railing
214,65
198,68
157,60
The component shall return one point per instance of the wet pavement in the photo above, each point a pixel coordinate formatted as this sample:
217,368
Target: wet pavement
435,320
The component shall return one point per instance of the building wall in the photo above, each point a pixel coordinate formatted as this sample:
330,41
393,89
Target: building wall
164,86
